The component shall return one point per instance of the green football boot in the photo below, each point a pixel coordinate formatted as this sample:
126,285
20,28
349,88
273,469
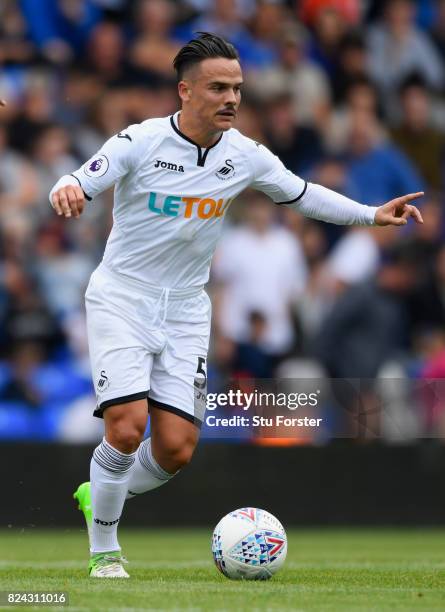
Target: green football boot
101,565
107,565
83,496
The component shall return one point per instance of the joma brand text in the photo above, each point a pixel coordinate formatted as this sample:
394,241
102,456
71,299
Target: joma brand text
168,166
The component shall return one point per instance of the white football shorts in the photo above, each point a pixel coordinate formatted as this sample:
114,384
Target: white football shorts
148,342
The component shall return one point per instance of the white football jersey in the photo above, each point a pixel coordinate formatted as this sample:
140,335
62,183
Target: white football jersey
171,197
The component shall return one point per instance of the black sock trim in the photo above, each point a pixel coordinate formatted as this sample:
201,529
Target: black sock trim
177,411
124,399
109,458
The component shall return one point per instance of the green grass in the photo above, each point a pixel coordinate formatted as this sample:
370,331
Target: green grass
173,570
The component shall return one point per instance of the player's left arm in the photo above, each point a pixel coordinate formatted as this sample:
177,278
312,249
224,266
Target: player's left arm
326,205
318,202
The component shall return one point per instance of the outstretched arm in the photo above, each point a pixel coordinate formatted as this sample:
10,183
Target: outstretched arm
326,205
317,202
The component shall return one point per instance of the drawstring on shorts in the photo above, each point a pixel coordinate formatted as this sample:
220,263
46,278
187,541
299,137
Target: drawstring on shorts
164,295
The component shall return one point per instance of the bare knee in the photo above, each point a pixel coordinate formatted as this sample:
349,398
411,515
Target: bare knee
182,454
125,437
124,429
174,452
173,439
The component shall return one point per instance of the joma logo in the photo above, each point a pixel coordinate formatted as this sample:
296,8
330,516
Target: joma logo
106,523
168,166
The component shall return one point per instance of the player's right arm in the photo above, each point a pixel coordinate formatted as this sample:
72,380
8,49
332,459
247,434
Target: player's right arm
113,161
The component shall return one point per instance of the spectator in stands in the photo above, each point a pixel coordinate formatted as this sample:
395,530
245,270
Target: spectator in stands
260,266
361,96
60,29
54,259
51,155
18,181
27,317
36,109
106,116
420,140
432,392
250,360
312,305
438,30
354,258
105,53
427,239
298,146
329,28
295,73
24,357
428,302
352,65
350,10
332,172
369,324
80,88
15,49
154,47
397,48
220,368
377,169
267,25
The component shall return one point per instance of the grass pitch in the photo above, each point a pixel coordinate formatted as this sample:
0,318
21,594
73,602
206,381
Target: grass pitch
173,570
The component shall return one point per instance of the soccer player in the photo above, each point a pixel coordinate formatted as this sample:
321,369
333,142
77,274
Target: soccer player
148,315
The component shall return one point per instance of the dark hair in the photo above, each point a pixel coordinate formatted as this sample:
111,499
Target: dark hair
204,47
414,79
353,40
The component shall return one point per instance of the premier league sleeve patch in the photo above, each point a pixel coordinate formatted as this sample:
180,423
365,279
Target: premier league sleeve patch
97,166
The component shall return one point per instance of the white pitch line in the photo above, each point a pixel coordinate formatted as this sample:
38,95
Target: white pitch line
68,564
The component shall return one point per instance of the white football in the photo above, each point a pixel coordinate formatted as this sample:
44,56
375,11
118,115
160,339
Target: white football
249,544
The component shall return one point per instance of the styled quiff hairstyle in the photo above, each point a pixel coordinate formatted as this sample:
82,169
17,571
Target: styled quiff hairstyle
204,47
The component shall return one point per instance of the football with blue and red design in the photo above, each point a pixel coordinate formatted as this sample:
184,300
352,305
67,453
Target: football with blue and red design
249,544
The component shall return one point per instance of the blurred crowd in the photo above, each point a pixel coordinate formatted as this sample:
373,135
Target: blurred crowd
348,93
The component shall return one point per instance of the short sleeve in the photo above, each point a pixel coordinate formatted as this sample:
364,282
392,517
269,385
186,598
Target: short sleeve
271,177
113,161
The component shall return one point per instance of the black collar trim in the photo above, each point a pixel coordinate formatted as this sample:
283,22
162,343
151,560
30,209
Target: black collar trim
201,156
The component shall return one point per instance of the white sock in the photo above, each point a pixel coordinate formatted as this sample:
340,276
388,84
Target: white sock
146,473
109,474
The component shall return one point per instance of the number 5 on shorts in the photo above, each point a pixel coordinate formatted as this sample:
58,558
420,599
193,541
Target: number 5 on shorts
200,384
